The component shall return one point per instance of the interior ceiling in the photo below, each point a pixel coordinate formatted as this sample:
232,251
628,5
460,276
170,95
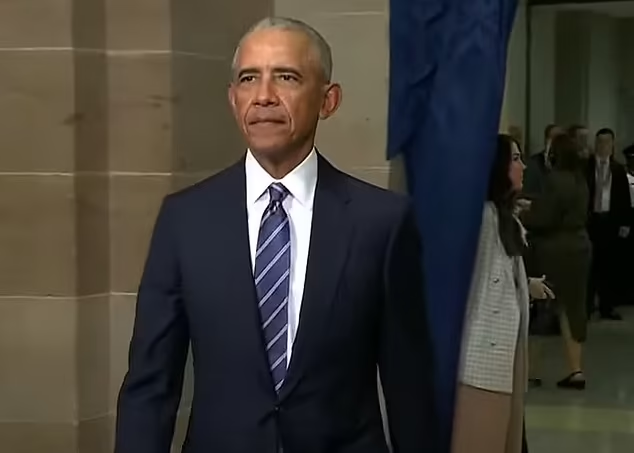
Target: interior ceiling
615,9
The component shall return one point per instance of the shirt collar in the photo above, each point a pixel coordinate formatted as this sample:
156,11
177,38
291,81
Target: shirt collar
300,182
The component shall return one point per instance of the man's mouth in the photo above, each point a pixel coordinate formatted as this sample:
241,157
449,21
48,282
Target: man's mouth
266,121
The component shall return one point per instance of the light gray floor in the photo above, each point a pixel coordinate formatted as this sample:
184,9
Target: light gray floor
600,419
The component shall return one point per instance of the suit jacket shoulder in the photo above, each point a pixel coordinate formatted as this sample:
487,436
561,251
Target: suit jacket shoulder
214,185
369,203
361,188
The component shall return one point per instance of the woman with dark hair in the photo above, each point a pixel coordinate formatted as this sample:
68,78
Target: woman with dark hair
562,250
492,380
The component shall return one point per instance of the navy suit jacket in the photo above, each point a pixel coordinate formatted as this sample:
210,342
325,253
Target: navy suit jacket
363,305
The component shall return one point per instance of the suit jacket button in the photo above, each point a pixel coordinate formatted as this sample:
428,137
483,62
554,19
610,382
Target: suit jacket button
496,280
493,343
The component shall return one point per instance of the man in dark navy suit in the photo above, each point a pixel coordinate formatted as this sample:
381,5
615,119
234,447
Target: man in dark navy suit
608,226
291,281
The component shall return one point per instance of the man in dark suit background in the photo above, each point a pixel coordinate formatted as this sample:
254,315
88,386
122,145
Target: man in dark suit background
291,281
628,255
580,134
538,165
608,225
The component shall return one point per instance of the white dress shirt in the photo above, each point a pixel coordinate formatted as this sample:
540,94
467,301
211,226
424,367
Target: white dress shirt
301,183
630,179
603,186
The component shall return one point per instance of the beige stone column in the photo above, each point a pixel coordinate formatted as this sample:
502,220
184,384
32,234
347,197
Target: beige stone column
38,310
92,235
140,161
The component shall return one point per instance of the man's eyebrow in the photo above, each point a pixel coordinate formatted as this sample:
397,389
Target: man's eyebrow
248,71
276,70
287,70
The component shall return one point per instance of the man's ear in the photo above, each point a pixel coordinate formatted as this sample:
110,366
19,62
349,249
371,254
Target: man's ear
231,94
332,101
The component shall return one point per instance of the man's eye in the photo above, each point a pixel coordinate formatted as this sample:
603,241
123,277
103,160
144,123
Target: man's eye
247,79
288,77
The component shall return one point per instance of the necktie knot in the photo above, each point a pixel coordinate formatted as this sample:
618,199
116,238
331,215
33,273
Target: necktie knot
277,193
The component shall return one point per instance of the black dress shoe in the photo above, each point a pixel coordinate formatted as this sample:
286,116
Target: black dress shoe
611,316
574,381
534,382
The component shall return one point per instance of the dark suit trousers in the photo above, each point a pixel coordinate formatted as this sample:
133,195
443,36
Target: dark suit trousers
605,274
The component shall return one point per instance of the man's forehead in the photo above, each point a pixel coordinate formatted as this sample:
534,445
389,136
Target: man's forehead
276,37
275,43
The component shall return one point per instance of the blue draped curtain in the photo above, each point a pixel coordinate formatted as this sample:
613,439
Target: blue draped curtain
447,74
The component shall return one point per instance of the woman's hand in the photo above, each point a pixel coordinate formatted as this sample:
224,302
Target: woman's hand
539,290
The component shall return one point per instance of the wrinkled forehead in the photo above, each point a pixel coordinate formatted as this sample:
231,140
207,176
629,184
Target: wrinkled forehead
271,48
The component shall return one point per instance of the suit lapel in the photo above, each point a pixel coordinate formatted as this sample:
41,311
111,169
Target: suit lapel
238,267
330,237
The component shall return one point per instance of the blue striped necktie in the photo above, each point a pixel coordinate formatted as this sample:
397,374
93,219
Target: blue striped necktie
272,276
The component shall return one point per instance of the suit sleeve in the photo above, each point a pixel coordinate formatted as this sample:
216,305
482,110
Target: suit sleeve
151,391
405,362
624,203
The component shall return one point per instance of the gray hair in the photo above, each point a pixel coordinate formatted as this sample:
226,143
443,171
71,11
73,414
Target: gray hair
284,23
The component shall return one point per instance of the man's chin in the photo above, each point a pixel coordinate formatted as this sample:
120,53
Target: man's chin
268,148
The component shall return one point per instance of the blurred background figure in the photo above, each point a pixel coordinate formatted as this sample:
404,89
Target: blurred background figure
628,261
580,135
608,226
538,165
561,248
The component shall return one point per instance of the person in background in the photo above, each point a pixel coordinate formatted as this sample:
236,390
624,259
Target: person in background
627,267
580,135
489,410
610,206
628,153
538,165
537,169
557,221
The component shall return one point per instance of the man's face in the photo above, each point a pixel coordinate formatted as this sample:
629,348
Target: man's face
279,92
604,145
554,132
581,137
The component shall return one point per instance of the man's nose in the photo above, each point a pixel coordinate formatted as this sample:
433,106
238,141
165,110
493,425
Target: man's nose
266,94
